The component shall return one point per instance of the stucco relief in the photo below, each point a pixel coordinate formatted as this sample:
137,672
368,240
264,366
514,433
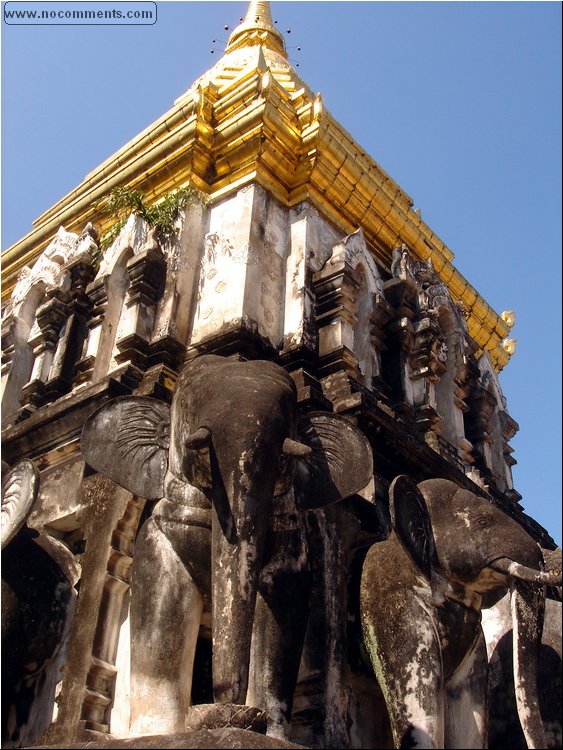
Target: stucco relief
497,428
34,323
354,251
438,353
241,271
351,285
49,269
136,235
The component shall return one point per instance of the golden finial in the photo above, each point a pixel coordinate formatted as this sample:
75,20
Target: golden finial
258,13
257,28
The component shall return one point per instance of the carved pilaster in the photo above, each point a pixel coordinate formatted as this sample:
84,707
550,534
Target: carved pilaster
146,273
482,405
400,342
9,326
44,339
435,354
429,351
509,428
63,369
381,314
102,674
97,294
336,287
427,364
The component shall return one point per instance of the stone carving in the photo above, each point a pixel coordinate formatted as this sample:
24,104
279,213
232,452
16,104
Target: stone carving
43,320
20,485
49,270
351,311
233,464
433,294
37,604
436,345
421,596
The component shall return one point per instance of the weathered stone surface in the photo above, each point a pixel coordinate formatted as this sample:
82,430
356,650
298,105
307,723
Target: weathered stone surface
221,715
420,601
504,725
230,529
38,598
201,739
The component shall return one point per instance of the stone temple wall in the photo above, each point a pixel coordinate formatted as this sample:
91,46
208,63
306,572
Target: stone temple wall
246,278
250,276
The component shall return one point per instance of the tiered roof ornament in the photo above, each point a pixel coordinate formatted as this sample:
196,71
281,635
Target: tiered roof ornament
257,28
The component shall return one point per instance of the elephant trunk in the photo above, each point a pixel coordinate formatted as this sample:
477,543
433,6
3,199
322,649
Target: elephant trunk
242,511
528,604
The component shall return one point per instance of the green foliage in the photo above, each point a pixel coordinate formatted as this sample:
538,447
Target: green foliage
123,201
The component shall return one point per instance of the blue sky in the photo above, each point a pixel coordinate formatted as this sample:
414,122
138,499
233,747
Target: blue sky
460,102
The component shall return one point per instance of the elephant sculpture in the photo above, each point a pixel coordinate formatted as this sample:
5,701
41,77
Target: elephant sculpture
230,463
37,606
420,598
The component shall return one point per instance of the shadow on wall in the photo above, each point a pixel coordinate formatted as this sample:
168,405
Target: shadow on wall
504,725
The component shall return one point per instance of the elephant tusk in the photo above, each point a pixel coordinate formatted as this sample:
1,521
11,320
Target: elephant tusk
523,573
199,439
293,448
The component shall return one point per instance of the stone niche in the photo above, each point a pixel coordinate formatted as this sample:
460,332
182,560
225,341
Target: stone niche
43,322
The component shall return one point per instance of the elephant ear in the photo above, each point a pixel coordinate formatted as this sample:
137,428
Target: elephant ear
127,439
339,465
411,521
20,486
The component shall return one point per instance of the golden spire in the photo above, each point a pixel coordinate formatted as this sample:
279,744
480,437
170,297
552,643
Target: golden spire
257,28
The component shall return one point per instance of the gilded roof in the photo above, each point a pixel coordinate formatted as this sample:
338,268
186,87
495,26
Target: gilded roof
251,118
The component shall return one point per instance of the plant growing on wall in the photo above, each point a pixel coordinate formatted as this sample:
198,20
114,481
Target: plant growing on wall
123,201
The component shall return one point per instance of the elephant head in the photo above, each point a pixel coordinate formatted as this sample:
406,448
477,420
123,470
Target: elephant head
232,432
497,541
461,546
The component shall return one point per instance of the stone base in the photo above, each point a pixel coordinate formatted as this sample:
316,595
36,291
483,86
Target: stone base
200,739
224,715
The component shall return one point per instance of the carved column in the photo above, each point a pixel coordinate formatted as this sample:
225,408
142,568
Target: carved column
57,338
146,273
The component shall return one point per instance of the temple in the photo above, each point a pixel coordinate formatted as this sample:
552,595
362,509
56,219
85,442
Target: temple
288,244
